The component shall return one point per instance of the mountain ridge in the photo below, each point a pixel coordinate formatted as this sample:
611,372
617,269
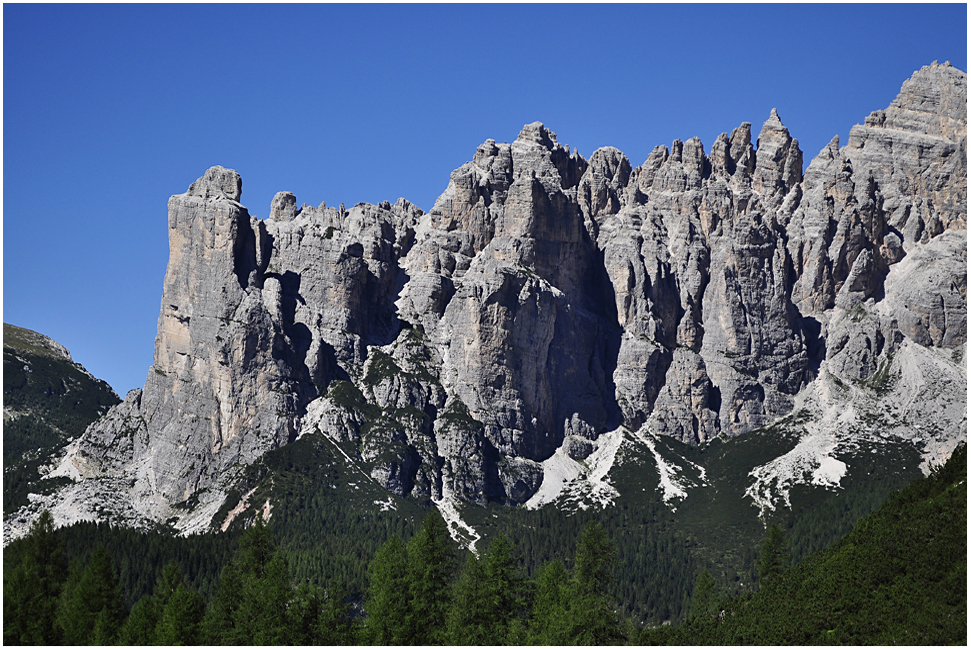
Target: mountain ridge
48,400
545,301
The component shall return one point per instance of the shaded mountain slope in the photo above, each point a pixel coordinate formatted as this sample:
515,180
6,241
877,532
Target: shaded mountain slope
48,399
899,578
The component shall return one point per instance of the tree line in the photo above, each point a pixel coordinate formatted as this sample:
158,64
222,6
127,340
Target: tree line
420,592
899,578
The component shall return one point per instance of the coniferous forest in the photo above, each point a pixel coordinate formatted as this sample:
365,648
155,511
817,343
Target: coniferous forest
900,577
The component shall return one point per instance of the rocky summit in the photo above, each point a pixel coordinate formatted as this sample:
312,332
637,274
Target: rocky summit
544,301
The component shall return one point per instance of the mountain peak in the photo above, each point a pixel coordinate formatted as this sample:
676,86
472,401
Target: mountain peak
547,301
218,183
538,134
20,338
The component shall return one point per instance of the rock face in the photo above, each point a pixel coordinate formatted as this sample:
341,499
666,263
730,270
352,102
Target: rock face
544,300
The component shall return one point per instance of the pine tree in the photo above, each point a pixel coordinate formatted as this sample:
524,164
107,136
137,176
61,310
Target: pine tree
386,603
430,568
774,557
550,622
32,588
704,599
90,610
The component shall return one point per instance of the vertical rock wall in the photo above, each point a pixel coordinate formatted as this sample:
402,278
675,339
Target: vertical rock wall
544,300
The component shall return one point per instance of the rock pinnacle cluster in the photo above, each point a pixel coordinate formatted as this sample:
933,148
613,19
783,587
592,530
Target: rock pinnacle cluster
544,300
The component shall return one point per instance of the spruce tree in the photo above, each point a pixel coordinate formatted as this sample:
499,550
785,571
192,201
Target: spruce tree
32,588
429,572
468,618
219,625
704,598
594,620
489,598
550,622
90,610
322,617
774,557
139,627
386,604
181,619
504,588
252,603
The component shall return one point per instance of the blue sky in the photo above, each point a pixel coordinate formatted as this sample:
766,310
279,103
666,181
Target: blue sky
111,109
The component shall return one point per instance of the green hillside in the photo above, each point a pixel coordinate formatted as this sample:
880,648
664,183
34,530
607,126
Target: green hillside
899,578
327,518
47,399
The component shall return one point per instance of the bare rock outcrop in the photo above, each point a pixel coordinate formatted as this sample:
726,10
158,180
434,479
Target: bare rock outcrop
543,301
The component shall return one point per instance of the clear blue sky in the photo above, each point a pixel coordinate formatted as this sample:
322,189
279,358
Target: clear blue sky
110,109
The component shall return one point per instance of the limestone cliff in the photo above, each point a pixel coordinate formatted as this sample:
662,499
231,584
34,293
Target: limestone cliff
544,300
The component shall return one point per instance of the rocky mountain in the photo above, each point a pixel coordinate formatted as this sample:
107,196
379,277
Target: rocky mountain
551,311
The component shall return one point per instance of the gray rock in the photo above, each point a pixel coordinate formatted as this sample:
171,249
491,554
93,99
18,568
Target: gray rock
544,300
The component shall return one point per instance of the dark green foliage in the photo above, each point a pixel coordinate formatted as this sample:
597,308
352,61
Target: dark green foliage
594,620
40,383
329,529
382,366
55,400
387,604
139,627
490,598
219,623
257,604
333,619
170,616
900,577
654,565
578,610
251,605
550,620
428,578
324,513
347,395
23,476
139,557
181,618
774,557
467,622
594,564
32,581
410,587
457,414
90,610
705,597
